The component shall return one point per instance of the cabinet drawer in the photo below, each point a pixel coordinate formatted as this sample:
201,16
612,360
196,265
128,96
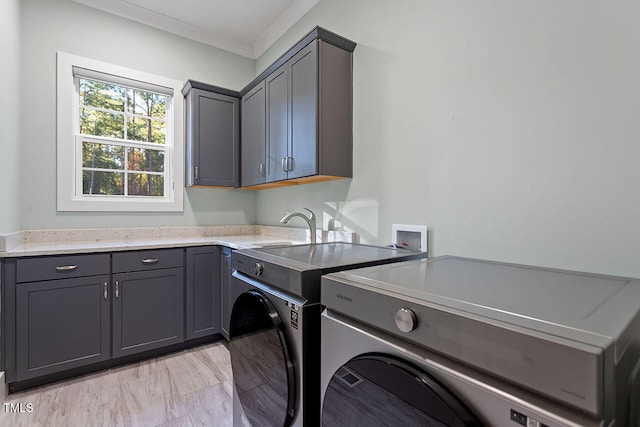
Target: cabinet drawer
124,262
61,267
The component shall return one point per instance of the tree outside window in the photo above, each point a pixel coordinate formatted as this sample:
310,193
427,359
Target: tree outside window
123,134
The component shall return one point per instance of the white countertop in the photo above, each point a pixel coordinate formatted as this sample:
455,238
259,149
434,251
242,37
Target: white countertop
57,242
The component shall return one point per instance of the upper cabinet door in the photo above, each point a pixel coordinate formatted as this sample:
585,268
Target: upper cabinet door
278,132
303,147
213,139
254,131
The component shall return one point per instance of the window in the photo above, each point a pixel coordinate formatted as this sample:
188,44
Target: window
120,140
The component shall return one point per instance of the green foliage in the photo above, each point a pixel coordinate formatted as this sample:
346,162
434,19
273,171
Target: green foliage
113,111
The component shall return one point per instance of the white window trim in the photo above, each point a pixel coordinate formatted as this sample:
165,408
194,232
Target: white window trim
67,166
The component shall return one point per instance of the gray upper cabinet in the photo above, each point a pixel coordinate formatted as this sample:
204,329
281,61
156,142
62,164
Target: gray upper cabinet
296,120
253,153
277,85
213,136
303,100
292,117
308,116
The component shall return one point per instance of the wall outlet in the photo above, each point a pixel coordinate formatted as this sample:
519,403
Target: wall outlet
411,237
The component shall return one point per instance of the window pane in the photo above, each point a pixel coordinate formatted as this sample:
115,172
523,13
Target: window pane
123,138
105,183
102,156
141,159
148,130
142,184
101,95
100,123
146,103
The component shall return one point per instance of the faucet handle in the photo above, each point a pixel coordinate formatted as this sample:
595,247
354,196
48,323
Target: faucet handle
313,216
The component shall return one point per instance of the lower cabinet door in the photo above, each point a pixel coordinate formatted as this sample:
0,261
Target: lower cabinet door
203,291
148,310
225,291
61,324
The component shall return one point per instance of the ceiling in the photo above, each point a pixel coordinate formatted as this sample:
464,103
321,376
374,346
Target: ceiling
245,27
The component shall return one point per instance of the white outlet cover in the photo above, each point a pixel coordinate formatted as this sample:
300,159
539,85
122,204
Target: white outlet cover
422,229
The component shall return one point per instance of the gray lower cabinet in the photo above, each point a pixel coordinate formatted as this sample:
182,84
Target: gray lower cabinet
61,324
147,310
62,314
148,304
203,291
66,312
212,136
226,298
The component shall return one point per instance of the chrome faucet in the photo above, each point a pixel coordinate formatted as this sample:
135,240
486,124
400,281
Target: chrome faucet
311,221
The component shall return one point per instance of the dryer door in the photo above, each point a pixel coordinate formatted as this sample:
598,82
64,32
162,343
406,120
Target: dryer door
377,389
263,371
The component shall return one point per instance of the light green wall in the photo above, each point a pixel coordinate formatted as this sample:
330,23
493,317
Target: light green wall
512,129
9,116
52,25
509,128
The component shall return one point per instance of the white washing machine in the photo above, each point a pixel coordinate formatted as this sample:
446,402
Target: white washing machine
460,342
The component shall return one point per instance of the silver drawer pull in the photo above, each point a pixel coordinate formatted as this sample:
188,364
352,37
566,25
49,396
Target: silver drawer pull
66,267
150,261
117,289
106,291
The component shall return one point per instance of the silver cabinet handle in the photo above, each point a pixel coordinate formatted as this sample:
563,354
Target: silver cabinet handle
150,261
66,267
261,169
284,164
196,173
106,290
117,289
289,164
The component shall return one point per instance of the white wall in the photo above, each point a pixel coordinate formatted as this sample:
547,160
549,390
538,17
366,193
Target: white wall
510,128
9,115
52,25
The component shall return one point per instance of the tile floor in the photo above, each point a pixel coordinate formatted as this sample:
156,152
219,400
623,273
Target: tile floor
189,388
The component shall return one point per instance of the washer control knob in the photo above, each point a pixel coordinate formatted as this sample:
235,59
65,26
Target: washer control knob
406,319
259,269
